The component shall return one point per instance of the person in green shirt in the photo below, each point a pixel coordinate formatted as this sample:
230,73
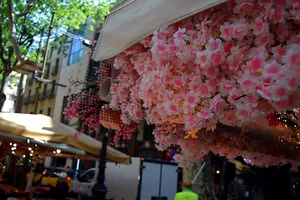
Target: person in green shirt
186,193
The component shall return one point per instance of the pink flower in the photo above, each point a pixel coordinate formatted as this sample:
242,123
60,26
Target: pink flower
216,104
204,90
292,56
278,15
264,39
217,58
173,48
172,108
179,81
234,95
259,26
294,3
211,71
203,58
192,99
256,65
266,3
264,92
227,47
272,69
247,83
179,35
240,30
279,91
226,31
243,114
234,60
161,48
278,52
214,45
205,114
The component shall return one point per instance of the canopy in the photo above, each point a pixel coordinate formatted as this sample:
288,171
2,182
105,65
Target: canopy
140,18
44,128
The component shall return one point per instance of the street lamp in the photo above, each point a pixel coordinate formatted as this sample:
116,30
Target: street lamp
99,190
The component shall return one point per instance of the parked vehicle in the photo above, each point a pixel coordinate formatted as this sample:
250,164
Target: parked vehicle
144,179
56,182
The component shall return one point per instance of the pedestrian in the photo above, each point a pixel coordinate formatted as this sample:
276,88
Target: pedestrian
187,193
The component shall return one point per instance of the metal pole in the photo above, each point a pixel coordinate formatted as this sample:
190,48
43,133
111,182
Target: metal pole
198,173
99,190
44,64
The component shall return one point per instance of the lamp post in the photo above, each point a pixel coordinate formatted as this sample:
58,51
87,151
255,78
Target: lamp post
99,190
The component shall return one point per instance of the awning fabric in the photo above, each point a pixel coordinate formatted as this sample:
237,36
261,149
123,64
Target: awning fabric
42,127
140,18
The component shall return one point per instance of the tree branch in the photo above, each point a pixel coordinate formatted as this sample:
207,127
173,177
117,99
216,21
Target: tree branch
1,35
12,31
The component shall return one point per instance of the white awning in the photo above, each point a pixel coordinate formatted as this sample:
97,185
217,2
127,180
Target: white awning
140,18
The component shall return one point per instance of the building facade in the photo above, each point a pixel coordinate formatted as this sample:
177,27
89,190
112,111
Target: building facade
47,97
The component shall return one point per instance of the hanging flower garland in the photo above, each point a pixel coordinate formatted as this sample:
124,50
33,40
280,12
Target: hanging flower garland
84,106
224,144
231,64
234,63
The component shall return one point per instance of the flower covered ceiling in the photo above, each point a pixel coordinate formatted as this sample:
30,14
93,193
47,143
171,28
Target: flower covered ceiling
231,65
235,63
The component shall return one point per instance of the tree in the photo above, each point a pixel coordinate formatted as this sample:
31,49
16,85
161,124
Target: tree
23,22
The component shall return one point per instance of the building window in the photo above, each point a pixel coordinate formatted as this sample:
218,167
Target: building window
65,104
55,69
59,49
41,111
49,111
47,72
45,90
76,51
29,94
30,82
53,87
97,36
50,53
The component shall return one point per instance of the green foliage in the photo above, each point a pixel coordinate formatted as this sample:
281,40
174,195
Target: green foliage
32,17
13,80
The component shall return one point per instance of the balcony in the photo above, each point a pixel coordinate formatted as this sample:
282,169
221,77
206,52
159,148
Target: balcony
26,100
